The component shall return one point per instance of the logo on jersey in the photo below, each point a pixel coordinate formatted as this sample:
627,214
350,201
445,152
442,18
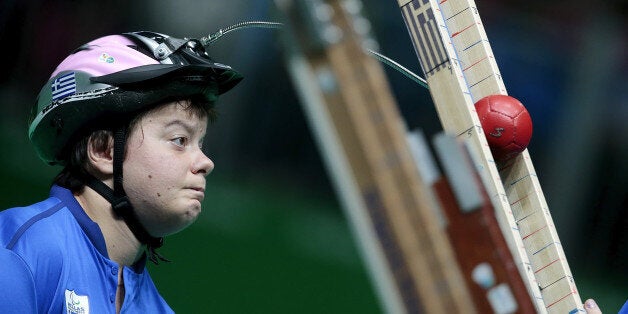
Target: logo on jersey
76,304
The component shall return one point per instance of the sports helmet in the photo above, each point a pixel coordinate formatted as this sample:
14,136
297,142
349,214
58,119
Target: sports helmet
115,76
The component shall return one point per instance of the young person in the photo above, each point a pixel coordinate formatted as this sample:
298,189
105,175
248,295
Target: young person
126,116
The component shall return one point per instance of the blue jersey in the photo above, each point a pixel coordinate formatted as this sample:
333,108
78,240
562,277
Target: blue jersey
59,260
624,309
16,280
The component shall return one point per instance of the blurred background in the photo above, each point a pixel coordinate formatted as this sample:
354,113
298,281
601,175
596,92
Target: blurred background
272,237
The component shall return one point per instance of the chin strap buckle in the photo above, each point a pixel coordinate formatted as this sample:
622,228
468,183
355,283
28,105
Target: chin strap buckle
121,205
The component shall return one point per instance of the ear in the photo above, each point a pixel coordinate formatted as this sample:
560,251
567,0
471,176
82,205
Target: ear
100,157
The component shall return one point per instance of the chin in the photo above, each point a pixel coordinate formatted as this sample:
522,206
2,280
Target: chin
177,223
192,212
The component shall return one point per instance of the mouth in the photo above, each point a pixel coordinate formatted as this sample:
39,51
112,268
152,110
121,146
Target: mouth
199,189
198,192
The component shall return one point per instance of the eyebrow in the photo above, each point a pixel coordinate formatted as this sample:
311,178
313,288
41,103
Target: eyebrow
178,122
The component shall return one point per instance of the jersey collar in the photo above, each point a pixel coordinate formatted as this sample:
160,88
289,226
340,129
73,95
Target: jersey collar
91,229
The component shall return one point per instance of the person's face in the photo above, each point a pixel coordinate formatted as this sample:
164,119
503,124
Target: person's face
165,169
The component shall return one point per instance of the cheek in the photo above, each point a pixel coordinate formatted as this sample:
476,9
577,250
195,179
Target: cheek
142,170
146,157
151,170
153,174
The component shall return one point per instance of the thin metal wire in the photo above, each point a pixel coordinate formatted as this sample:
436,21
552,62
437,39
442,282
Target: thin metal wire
242,25
400,68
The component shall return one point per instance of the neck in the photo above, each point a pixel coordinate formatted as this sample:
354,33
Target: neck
122,246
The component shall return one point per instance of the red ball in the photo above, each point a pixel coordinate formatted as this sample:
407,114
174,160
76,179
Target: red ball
506,123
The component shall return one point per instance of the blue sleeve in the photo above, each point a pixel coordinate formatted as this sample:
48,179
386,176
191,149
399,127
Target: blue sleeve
624,309
18,289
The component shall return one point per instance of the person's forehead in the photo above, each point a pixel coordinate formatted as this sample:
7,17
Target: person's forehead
173,117
179,110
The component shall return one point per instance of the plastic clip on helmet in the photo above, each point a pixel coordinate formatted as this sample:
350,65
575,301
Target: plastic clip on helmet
111,78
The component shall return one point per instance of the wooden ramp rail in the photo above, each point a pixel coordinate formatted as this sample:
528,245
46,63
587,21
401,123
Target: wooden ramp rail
460,68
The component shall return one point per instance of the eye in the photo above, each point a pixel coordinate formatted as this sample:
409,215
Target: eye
180,141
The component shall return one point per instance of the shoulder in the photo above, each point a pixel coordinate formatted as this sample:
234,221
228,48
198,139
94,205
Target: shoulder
34,231
14,222
624,309
17,282
47,240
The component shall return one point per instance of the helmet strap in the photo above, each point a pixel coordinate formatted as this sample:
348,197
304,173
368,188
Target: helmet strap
120,202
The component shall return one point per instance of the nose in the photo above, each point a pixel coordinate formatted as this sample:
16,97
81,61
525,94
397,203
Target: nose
202,164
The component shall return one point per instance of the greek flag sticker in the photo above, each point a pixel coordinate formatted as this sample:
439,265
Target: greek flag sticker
63,86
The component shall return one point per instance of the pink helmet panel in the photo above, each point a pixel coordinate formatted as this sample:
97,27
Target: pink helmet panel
104,56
